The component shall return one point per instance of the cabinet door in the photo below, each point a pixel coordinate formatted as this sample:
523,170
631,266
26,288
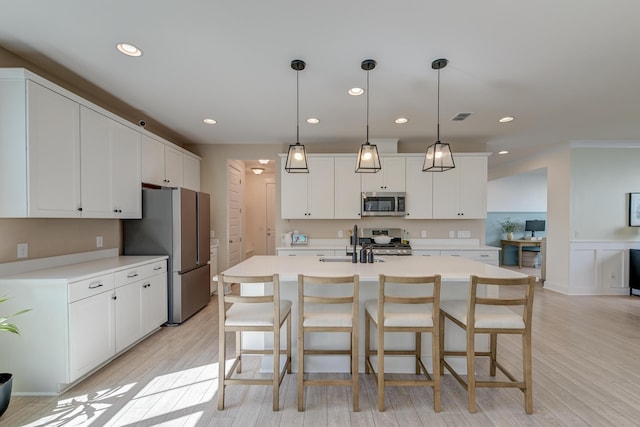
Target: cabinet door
473,188
293,194
127,317
320,191
127,200
419,190
95,164
347,189
390,178
446,192
173,167
54,153
152,161
393,169
91,333
153,307
191,173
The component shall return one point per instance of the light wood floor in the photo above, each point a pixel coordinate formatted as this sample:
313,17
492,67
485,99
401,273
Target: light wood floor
585,363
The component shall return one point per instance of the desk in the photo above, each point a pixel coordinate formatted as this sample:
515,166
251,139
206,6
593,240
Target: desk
519,244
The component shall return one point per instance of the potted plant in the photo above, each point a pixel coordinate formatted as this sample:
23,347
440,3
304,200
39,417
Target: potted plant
6,380
509,226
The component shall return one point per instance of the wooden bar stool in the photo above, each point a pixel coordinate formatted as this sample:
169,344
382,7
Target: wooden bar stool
396,310
319,312
492,316
253,313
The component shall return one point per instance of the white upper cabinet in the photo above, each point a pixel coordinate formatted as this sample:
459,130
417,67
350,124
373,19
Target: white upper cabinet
347,188
461,192
39,151
390,178
163,165
419,202
309,195
127,191
173,167
191,173
110,167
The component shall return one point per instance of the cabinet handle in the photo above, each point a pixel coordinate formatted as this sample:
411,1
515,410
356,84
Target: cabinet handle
95,285
79,209
158,267
130,275
114,297
484,256
146,285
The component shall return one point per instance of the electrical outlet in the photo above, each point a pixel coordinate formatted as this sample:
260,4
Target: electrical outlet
464,234
452,234
340,233
99,241
423,234
23,250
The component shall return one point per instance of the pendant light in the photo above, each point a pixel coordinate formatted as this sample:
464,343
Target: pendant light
438,157
368,159
297,156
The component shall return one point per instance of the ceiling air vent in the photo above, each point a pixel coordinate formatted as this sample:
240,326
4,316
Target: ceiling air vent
460,117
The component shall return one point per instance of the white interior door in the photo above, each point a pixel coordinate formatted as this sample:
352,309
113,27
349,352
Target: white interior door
235,172
271,218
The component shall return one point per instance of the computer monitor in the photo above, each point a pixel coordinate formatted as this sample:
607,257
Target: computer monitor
534,225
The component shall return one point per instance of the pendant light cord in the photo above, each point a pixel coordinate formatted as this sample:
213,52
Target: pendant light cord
297,107
438,115
367,141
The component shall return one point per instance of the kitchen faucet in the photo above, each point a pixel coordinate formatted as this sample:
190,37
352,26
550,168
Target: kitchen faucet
354,256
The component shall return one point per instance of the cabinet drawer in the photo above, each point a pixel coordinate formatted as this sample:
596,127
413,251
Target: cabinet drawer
485,256
421,252
89,287
140,272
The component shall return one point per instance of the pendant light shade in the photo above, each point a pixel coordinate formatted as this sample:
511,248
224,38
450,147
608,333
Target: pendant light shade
368,159
297,155
438,157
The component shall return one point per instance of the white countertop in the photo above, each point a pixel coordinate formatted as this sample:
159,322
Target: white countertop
450,268
84,270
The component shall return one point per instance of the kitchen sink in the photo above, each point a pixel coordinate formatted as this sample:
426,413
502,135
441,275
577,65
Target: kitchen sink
343,259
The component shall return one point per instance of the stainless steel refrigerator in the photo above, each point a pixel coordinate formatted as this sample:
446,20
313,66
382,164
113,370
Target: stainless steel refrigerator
175,222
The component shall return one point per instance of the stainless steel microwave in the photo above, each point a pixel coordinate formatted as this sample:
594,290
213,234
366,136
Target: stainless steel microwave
383,204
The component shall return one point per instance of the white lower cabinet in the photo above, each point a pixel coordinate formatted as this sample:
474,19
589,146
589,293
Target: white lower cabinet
482,255
81,317
306,252
91,332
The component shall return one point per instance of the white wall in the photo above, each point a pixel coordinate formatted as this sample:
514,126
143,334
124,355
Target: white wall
600,182
519,193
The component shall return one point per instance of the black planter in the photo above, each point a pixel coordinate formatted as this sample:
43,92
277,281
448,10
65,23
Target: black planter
6,380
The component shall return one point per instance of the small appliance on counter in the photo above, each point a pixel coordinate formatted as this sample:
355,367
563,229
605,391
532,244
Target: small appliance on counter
299,239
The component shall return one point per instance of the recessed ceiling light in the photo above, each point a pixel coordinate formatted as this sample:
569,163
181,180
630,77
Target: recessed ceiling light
401,120
503,152
506,119
210,121
313,120
356,91
129,49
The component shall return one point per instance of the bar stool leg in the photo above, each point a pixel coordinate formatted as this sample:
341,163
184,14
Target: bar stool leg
471,373
221,367
528,376
494,350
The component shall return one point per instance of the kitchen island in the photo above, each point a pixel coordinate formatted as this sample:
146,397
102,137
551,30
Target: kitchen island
455,272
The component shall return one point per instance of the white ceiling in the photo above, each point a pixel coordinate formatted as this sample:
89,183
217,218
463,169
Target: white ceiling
567,70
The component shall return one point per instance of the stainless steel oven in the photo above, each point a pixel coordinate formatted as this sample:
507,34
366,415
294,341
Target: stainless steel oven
383,204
